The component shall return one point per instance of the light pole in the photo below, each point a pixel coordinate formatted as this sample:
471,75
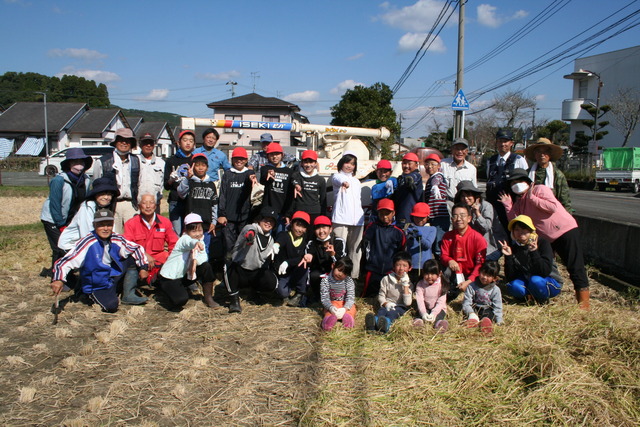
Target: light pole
46,134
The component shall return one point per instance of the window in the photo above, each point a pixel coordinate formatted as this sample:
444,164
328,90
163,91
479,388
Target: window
230,117
274,119
583,88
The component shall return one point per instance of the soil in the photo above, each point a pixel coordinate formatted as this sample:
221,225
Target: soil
22,210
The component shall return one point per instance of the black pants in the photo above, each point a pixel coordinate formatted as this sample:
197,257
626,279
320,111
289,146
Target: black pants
53,235
483,312
176,289
570,251
262,280
372,284
231,232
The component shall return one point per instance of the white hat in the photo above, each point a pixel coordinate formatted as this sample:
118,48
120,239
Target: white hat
192,218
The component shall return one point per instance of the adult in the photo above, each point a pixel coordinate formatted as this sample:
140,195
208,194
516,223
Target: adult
457,168
217,159
260,158
552,222
156,236
498,166
102,258
483,218
409,190
151,169
435,195
123,167
463,251
175,167
66,191
529,266
544,172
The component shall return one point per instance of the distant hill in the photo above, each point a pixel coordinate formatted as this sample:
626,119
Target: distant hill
152,116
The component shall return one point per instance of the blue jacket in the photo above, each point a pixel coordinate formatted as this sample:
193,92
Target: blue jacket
61,196
381,242
419,242
408,193
217,159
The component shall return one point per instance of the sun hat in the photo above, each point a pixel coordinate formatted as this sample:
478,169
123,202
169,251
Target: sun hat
309,154
386,204
301,215
434,157
468,186
411,157
322,220
192,218
421,210
518,173
76,153
239,152
127,135
274,147
523,219
556,150
384,164
100,185
102,214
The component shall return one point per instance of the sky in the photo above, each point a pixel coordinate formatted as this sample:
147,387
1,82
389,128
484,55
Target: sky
178,56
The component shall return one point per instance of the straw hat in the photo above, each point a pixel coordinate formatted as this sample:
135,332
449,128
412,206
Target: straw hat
555,153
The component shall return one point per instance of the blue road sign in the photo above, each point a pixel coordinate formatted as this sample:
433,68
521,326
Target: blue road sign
460,102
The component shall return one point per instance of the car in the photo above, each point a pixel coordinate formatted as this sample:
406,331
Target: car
53,168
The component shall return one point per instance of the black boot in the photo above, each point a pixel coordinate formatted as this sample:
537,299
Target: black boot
234,307
207,289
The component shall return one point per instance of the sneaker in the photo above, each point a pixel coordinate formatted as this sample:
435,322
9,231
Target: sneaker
329,322
348,321
441,326
370,321
418,322
195,289
472,323
46,272
295,300
486,326
384,324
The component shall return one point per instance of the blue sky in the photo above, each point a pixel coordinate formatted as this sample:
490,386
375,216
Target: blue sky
177,56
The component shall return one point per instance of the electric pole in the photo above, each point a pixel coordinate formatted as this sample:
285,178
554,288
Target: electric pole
458,121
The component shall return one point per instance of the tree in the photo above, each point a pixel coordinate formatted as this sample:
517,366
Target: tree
368,107
556,130
513,107
625,107
581,143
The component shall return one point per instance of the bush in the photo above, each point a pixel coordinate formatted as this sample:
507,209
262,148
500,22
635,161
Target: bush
20,164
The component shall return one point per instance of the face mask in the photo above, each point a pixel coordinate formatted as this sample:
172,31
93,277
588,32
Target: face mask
122,153
520,187
77,169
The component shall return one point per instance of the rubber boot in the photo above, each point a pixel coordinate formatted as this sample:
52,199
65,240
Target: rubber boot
207,289
234,307
129,285
583,296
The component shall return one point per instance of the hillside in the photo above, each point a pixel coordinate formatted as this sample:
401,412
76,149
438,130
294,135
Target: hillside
152,116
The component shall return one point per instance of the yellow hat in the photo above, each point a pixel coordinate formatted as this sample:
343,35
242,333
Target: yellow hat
523,219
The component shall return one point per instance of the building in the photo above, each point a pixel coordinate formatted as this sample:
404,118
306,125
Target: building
597,80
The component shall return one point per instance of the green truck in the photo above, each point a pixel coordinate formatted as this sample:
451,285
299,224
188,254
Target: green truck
621,169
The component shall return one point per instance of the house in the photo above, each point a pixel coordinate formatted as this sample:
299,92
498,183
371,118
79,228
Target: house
597,80
161,132
96,126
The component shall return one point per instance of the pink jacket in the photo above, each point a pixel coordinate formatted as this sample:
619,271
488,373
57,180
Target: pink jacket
428,298
549,217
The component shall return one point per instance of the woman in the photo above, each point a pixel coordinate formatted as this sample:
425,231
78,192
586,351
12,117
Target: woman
66,191
543,171
552,223
484,219
103,195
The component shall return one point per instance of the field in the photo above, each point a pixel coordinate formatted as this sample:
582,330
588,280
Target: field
271,365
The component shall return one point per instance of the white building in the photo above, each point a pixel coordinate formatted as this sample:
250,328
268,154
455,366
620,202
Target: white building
617,70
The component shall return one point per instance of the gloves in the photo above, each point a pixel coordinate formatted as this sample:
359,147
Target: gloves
409,182
390,306
174,175
428,317
276,248
183,170
340,312
388,187
473,316
333,310
282,270
250,236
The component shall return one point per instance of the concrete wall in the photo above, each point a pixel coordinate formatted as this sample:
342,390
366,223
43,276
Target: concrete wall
611,244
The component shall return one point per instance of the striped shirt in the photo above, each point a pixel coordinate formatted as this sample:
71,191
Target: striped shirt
337,290
435,195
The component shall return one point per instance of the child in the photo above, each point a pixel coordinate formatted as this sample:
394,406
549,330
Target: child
276,178
383,188
382,239
235,197
186,263
435,195
420,238
310,189
394,296
409,191
174,168
338,296
325,249
291,260
251,259
431,297
348,216
483,299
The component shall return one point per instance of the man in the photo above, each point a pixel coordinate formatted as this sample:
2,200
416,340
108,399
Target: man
123,168
156,236
175,167
463,251
217,159
260,159
102,258
457,168
498,167
409,190
151,169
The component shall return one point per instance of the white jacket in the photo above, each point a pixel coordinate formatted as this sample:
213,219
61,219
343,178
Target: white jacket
347,202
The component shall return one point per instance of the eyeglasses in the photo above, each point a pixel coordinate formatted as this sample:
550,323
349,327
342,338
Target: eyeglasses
460,216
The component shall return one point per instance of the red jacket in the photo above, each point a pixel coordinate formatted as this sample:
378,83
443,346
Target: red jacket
152,240
469,251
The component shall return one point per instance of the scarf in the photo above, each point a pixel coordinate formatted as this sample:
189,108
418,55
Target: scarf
548,181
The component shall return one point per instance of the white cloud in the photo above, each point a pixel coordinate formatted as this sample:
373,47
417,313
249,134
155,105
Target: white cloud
154,95
356,56
84,54
306,96
344,86
413,41
420,16
488,17
225,75
540,98
100,76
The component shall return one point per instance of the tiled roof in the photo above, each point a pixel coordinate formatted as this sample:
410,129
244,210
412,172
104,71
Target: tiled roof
134,121
253,100
95,121
154,128
29,116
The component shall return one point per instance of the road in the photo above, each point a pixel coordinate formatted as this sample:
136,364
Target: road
14,179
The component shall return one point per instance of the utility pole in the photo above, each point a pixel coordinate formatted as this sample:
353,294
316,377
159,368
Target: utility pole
254,76
233,87
458,120
46,132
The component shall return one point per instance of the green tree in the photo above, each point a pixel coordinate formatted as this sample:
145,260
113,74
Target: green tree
581,143
368,107
556,130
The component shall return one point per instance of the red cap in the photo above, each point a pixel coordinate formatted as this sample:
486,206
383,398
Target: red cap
308,154
386,204
186,131
411,156
432,156
274,147
384,164
199,156
421,210
239,152
322,220
301,215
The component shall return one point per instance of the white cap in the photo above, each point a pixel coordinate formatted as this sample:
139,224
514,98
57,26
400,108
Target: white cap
192,218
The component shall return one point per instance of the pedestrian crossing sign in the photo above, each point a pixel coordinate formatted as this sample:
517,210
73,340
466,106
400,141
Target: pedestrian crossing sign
460,102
